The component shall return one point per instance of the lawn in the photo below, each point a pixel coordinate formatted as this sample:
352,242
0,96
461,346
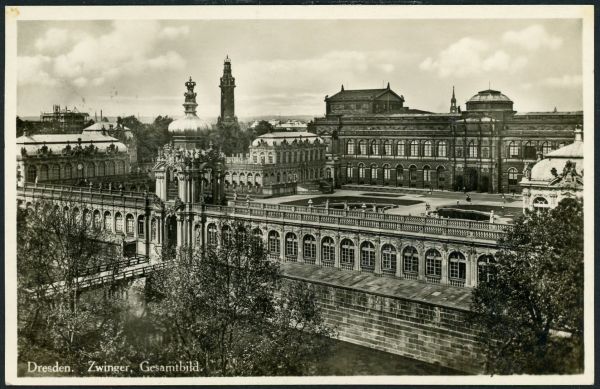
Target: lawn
353,200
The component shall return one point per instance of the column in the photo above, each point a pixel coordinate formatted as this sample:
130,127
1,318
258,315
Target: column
444,279
421,253
337,251
378,258
399,272
179,231
300,246
356,253
468,268
318,239
282,246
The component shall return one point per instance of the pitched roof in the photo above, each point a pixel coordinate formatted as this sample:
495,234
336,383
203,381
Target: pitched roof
361,94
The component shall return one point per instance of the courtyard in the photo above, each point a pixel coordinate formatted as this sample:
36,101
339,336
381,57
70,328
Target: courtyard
413,203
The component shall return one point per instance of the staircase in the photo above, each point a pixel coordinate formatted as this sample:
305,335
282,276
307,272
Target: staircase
326,186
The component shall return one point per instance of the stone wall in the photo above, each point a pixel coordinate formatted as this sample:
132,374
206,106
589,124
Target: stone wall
415,329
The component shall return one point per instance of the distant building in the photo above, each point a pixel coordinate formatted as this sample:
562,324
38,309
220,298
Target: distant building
69,158
291,125
557,176
118,131
373,139
65,120
278,163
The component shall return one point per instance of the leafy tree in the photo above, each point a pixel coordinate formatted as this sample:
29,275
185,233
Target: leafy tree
229,308
56,249
263,127
529,306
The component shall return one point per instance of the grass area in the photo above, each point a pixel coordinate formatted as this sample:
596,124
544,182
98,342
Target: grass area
353,200
382,194
499,211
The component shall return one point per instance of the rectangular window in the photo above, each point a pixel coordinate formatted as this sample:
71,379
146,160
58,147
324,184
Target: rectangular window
141,228
349,171
310,250
328,253
434,267
273,245
387,149
400,149
458,270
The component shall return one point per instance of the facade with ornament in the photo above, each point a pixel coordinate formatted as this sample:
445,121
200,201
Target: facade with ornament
374,139
70,159
557,176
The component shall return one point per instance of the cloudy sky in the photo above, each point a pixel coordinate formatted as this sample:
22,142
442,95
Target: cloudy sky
288,66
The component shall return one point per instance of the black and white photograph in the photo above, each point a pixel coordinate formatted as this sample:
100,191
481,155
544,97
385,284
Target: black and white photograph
299,194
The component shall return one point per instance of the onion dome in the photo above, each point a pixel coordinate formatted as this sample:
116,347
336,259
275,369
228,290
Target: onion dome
191,121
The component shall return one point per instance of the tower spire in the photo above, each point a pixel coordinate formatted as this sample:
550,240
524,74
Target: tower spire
453,108
227,86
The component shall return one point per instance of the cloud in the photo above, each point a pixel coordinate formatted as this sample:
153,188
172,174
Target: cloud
53,40
532,38
34,70
128,48
174,32
565,81
470,56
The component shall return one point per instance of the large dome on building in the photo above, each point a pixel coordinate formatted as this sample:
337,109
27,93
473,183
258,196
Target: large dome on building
489,99
556,161
191,121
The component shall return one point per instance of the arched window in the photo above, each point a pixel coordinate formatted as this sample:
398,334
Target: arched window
400,148
441,177
529,151
361,170
411,260
44,172
387,148
55,172
90,170
270,158
426,174
141,226
362,147
110,168
291,246
513,150
309,249
374,148
386,172
129,225
254,158
427,149
328,251
433,263
257,238
412,175
374,171
347,254
399,175
278,177
513,176
472,150
546,148
388,259
484,268
457,267
367,256
107,221
31,173
226,235
68,171
118,222
540,202
441,149
414,148
285,177
154,230
212,235
273,243
97,219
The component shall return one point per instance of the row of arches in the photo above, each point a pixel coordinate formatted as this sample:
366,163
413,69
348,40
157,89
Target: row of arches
362,256
428,148
399,148
398,175
270,157
49,172
235,179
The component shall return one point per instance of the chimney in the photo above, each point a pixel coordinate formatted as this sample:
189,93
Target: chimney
100,115
578,133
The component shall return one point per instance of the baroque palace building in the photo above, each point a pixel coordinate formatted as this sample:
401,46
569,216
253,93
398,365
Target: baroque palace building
374,139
